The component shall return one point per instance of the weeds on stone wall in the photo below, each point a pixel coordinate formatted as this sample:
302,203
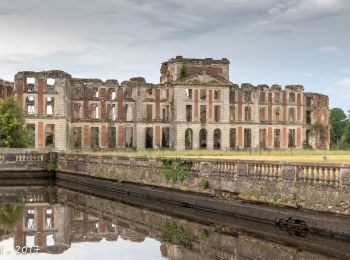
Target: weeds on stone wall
175,234
176,169
204,184
52,162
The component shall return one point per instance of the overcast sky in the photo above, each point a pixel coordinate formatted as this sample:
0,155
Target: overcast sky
267,41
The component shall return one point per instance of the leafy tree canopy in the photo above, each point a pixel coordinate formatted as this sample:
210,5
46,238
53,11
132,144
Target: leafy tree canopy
337,120
12,128
9,216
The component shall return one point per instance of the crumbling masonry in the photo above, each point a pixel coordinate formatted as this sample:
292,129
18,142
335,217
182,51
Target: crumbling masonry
195,106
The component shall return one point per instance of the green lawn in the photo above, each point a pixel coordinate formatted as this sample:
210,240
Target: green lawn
276,155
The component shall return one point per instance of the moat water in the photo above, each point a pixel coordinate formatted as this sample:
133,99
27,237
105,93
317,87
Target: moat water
55,222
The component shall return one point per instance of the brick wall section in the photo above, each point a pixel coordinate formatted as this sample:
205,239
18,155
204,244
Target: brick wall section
103,94
40,227
299,137
86,102
20,92
158,135
210,104
104,136
299,106
284,110
19,236
40,134
41,86
120,103
211,70
270,107
120,135
239,105
269,137
284,137
240,138
158,103
86,136
196,103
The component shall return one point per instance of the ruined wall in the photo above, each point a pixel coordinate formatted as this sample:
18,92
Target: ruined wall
171,69
6,88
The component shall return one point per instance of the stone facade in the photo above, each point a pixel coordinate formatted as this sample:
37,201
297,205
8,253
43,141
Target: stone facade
6,88
195,106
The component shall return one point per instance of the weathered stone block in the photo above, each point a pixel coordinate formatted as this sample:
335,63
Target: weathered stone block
205,167
289,172
242,169
345,177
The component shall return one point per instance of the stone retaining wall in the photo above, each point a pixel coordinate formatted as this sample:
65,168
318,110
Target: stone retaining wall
321,187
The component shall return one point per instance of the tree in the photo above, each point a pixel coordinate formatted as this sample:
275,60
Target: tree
337,120
345,140
183,71
9,216
13,133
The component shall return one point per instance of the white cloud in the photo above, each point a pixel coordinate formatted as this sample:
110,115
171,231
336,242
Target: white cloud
329,50
344,84
308,74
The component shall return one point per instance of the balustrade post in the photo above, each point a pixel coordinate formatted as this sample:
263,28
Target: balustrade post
289,172
345,177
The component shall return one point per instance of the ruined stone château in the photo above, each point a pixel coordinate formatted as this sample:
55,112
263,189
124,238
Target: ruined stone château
195,106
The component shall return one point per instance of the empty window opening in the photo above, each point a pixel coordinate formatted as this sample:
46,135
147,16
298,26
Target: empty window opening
217,110
217,94
112,137
93,111
203,114
277,114
128,93
232,113
277,138
308,136
30,105
77,110
308,117
309,101
149,113
129,112
233,138
291,138
96,92
262,114
50,81
262,138
247,113
49,218
50,240
76,137
128,133
30,241
96,112
188,93
149,137
95,137
292,97
165,137
232,96
30,86
111,112
165,115
188,139
247,138
291,114
277,97
29,219
30,80
188,113
203,94
217,139
247,96
262,97
31,135
50,104
50,135
203,138
149,92
112,94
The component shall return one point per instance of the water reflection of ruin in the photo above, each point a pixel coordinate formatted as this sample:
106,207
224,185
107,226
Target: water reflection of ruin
55,218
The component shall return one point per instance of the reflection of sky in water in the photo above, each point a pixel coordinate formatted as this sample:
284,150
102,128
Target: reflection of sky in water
120,249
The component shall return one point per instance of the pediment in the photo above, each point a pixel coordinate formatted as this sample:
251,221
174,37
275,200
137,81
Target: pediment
203,79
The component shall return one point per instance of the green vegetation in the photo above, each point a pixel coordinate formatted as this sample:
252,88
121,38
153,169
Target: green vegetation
175,234
340,128
204,184
9,216
13,133
176,169
183,71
